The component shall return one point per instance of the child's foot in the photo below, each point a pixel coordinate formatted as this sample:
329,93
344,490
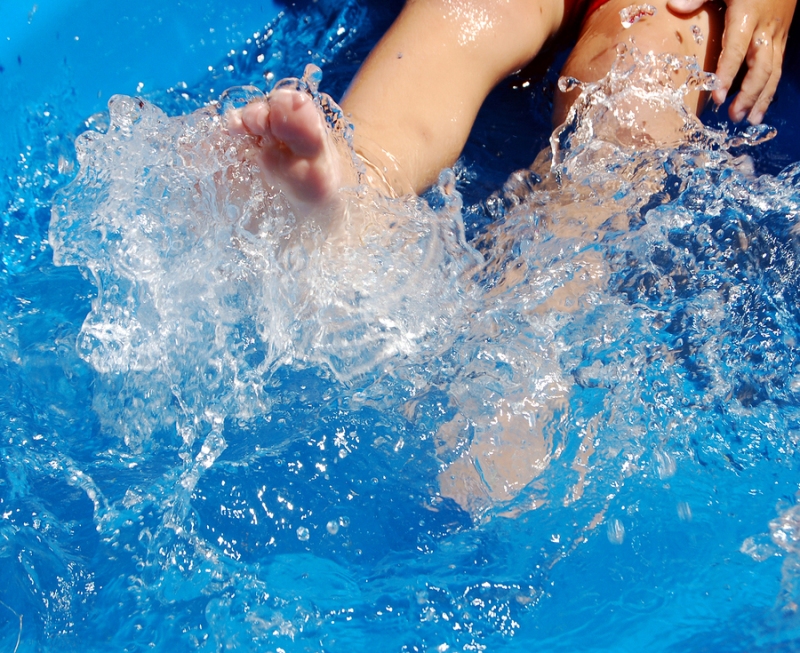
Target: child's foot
295,149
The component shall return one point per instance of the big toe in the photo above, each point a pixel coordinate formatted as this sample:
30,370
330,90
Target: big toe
296,121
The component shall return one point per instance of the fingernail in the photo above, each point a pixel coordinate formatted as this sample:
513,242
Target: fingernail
738,116
755,117
719,95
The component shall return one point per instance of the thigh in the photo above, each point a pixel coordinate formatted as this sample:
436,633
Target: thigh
664,32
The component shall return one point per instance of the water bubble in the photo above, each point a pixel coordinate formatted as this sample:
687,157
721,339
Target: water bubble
303,534
634,13
616,531
332,526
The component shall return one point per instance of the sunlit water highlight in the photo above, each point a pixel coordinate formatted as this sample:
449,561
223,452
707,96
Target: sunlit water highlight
419,442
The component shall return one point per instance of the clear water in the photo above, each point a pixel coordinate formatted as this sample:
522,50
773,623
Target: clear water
216,440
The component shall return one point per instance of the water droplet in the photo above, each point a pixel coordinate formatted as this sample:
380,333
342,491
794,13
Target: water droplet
303,534
752,135
616,532
697,33
634,13
312,76
344,522
238,96
567,84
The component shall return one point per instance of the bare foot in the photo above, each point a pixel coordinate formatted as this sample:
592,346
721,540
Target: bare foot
295,149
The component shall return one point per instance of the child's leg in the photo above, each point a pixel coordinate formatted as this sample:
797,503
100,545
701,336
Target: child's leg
664,32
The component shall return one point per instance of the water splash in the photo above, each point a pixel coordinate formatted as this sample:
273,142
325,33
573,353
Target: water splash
640,103
634,13
610,335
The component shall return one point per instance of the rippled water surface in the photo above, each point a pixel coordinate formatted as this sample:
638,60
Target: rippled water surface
562,416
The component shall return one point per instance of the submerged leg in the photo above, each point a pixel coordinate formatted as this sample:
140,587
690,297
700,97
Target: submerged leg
513,443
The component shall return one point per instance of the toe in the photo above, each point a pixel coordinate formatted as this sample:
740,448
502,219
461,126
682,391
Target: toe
233,122
297,122
255,118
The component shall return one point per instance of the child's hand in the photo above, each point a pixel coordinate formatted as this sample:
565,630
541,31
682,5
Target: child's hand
755,32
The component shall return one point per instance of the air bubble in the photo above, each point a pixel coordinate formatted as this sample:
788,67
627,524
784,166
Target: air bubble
303,534
332,526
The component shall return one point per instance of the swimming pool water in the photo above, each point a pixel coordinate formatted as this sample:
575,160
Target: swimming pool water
239,451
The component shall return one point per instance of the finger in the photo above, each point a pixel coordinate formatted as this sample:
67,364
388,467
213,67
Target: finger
765,99
738,33
759,71
685,6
